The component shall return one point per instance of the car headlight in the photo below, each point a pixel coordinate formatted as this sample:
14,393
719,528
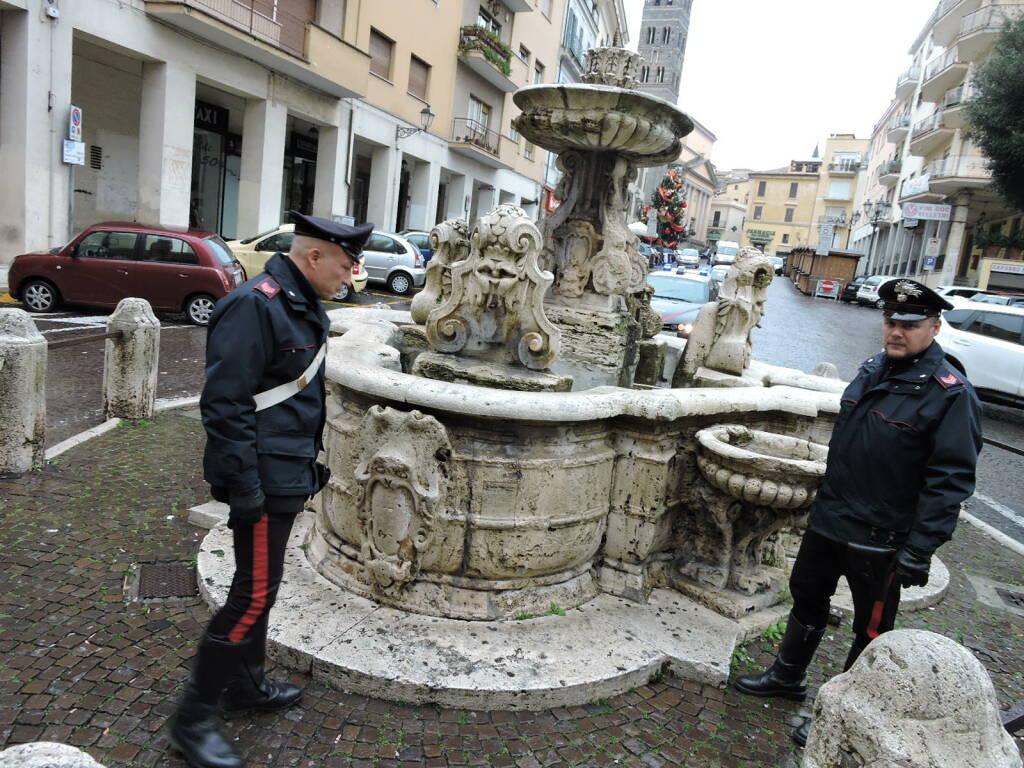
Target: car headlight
684,329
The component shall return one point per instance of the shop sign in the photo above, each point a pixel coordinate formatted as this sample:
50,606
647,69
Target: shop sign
933,247
75,124
303,146
760,235
910,223
1010,269
915,186
714,234
927,211
210,117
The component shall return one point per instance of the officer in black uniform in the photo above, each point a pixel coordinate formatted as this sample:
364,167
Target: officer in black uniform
263,410
900,462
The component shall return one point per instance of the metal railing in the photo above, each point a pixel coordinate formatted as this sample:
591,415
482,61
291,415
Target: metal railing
991,17
948,59
955,96
889,167
910,75
899,121
945,7
844,166
959,165
476,38
280,28
468,131
931,123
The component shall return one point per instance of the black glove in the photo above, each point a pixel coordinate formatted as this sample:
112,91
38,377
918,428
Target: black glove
323,474
912,567
246,507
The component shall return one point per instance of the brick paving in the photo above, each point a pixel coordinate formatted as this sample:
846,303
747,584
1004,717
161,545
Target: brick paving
80,665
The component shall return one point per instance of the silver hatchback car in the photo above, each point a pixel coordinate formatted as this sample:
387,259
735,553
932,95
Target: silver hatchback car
393,260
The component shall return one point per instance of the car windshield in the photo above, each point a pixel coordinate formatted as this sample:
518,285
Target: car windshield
677,289
254,238
690,252
726,250
220,248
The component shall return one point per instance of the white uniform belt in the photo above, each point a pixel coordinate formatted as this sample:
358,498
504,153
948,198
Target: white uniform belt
282,392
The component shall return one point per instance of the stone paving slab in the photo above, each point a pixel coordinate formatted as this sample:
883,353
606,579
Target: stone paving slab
81,666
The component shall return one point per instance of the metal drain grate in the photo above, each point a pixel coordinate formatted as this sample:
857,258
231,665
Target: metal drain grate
158,580
1013,599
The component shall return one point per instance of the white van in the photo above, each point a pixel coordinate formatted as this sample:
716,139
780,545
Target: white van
868,291
725,252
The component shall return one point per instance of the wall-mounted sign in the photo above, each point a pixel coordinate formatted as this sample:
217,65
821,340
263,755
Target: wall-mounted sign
74,152
927,211
828,288
211,117
933,246
75,124
825,234
910,223
929,263
1012,269
760,235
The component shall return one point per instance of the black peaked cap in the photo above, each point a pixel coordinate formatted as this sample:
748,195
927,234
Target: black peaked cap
910,300
351,238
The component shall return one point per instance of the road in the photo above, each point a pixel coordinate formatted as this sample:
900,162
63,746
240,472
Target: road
797,331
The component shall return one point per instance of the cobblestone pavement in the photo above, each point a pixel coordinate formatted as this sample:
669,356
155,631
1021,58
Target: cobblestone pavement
80,665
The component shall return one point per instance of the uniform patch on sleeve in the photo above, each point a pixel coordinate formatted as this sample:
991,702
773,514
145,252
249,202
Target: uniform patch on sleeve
268,287
948,378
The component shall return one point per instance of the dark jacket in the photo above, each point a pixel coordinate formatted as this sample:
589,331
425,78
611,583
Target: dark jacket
264,333
902,455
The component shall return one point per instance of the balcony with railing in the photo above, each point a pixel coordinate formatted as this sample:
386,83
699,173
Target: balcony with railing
954,115
844,167
284,41
907,81
888,173
485,53
957,172
929,134
898,128
475,140
948,16
942,74
980,30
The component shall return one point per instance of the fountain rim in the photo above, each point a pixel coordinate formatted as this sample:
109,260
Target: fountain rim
347,366
721,449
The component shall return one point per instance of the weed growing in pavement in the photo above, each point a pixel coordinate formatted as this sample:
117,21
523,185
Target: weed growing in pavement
554,610
522,616
775,632
741,656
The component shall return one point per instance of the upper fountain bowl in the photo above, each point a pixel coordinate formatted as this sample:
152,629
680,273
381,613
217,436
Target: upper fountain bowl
601,117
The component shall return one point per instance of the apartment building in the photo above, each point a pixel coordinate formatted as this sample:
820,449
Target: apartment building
932,181
780,211
224,114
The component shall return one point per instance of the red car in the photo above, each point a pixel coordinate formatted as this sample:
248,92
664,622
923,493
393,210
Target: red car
184,270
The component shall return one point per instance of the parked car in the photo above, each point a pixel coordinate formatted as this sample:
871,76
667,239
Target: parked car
253,253
850,289
1004,299
678,299
393,260
949,291
986,342
421,240
725,252
650,254
719,273
688,257
868,292
175,270
779,262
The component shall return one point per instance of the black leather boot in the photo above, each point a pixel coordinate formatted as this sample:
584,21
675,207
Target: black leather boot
248,689
785,677
801,732
859,644
193,729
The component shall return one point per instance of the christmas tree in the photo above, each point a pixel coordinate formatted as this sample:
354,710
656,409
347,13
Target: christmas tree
669,203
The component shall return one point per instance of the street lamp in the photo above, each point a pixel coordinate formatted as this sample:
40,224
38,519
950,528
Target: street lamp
426,119
874,212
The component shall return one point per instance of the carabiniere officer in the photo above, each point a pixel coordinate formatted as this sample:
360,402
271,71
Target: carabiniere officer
263,411
901,460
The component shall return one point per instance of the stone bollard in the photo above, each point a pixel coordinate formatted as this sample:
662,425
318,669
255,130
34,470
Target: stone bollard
130,362
913,699
46,754
22,391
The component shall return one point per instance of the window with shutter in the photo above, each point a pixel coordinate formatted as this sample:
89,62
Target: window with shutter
380,54
419,77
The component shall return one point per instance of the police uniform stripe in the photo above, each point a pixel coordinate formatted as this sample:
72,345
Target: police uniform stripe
260,582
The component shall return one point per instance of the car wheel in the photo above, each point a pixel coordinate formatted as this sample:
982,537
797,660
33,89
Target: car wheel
400,283
344,293
39,296
199,308
879,304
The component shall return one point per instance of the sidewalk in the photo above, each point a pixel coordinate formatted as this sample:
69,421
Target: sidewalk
81,666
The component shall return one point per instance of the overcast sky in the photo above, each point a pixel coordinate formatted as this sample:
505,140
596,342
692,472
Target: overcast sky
772,79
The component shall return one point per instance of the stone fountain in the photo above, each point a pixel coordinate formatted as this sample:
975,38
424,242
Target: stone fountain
512,520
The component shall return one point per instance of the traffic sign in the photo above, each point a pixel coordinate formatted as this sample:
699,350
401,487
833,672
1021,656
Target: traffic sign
75,123
828,288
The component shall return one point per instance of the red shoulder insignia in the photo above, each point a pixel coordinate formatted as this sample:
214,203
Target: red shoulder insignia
947,378
268,287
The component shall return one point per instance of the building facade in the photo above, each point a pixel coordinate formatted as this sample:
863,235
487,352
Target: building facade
223,116
942,213
663,33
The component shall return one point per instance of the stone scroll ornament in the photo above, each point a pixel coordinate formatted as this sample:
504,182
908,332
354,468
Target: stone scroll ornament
450,241
401,469
496,308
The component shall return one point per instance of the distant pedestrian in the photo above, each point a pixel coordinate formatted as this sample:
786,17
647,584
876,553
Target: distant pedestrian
901,460
263,408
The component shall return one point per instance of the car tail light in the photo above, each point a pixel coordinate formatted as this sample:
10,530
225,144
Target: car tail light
224,280
355,268
418,260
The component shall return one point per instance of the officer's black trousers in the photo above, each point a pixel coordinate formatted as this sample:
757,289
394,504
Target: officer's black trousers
259,565
819,564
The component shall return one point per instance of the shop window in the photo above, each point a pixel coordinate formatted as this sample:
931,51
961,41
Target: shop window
380,54
419,77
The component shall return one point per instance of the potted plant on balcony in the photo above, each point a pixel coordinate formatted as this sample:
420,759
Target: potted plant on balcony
477,38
